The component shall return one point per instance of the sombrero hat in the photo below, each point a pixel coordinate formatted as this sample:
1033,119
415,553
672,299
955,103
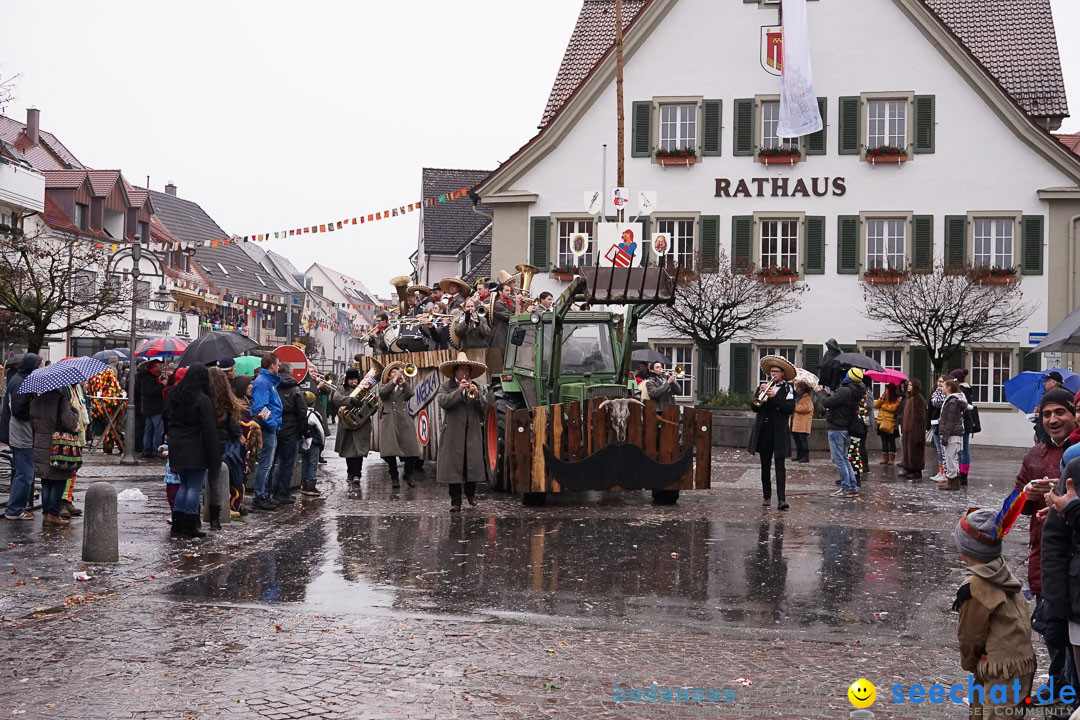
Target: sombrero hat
505,277
422,289
455,284
771,361
476,369
386,370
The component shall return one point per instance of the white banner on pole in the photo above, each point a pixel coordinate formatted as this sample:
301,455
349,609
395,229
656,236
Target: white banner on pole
799,113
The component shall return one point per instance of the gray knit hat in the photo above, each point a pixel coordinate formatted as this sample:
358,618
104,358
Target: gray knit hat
974,535
1057,396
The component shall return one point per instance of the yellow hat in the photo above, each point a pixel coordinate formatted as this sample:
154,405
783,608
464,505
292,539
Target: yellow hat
855,375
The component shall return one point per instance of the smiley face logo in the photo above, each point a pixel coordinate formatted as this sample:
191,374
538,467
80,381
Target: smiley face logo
862,693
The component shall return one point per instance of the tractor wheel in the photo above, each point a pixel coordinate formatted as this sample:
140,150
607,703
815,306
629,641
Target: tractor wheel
665,497
533,499
496,436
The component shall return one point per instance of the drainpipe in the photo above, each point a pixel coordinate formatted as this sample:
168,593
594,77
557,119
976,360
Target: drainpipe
476,201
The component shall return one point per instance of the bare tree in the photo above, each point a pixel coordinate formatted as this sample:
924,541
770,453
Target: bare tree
311,343
7,90
725,303
52,285
947,308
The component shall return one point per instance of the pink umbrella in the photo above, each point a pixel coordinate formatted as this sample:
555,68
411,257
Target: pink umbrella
887,376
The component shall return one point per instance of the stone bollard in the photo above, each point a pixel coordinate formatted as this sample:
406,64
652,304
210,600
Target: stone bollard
101,541
224,497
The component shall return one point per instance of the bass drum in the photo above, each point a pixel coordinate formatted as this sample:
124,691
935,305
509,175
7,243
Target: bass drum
410,339
390,336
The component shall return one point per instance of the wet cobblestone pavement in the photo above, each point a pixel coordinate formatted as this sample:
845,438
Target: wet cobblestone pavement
372,603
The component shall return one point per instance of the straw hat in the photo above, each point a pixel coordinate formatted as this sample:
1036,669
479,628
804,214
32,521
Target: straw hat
771,361
476,369
505,277
455,285
386,370
422,289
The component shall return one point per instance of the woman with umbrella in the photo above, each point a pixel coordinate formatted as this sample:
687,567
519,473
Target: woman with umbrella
193,445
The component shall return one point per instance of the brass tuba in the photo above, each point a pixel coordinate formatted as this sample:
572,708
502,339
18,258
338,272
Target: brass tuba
351,417
526,272
400,283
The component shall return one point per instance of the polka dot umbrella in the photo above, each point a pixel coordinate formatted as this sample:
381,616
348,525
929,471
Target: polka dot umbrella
61,374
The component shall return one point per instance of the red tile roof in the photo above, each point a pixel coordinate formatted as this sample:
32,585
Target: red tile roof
103,181
1070,141
1014,41
64,179
48,154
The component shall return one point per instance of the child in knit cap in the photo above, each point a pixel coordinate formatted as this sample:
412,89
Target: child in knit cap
994,632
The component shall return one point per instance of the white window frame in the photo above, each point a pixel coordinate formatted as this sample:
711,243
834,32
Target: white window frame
565,257
765,107
680,354
787,349
677,239
657,129
893,111
906,97
977,216
800,247
876,351
995,395
684,125
865,218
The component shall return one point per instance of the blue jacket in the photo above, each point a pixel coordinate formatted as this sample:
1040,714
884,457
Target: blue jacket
264,395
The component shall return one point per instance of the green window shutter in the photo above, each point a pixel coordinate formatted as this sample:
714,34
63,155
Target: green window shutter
1031,246
646,245
848,136
744,127
955,241
641,129
710,241
922,243
847,244
922,369
956,359
817,143
1030,361
815,245
712,116
811,358
538,242
740,380
924,124
742,229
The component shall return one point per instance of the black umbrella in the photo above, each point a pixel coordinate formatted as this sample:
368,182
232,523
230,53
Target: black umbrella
648,355
215,345
859,360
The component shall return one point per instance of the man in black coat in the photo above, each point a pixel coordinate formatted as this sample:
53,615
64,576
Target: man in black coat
152,399
771,438
293,424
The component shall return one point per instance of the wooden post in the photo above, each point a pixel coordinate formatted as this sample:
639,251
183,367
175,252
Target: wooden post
556,441
573,433
621,173
539,476
522,452
703,451
649,422
686,443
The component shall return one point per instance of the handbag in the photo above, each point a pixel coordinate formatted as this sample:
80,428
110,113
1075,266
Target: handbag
65,453
976,423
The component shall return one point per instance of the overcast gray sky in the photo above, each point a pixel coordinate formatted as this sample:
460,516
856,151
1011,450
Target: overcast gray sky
280,114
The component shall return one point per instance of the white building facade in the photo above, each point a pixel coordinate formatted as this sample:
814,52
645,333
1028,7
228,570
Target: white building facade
980,178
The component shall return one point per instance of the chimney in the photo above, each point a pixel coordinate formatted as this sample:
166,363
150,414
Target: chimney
33,124
170,189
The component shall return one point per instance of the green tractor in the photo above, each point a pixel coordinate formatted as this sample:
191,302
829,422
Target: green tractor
568,355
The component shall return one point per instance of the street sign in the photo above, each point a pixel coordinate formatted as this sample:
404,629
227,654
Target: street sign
295,357
422,429
424,392
1036,338
1053,360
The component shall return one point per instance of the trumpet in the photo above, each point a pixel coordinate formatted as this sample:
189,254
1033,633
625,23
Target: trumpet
762,396
410,370
472,392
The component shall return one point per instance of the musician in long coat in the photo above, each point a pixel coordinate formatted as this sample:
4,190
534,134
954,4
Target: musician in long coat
462,462
771,437
397,430
353,445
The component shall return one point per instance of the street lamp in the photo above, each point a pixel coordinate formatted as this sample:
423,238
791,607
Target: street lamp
162,299
128,457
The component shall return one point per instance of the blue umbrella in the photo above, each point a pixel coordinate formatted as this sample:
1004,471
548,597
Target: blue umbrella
61,374
1026,389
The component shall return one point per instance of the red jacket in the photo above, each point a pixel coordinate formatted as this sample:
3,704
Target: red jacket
1042,460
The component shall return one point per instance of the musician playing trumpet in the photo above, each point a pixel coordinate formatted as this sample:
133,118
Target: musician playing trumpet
506,306
771,437
471,328
353,445
397,433
377,340
461,462
660,385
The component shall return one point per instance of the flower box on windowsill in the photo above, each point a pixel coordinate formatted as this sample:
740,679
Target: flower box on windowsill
675,160
884,278
779,159
563,275
997,280
886,159
778,277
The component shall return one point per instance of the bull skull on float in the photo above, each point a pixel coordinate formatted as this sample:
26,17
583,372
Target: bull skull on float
619,414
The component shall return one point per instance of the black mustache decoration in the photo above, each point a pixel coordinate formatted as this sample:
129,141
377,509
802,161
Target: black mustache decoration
624,465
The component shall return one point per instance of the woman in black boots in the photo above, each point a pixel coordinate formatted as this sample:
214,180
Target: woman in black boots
193,445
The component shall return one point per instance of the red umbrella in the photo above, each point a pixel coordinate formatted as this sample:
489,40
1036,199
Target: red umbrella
887,376
166,346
